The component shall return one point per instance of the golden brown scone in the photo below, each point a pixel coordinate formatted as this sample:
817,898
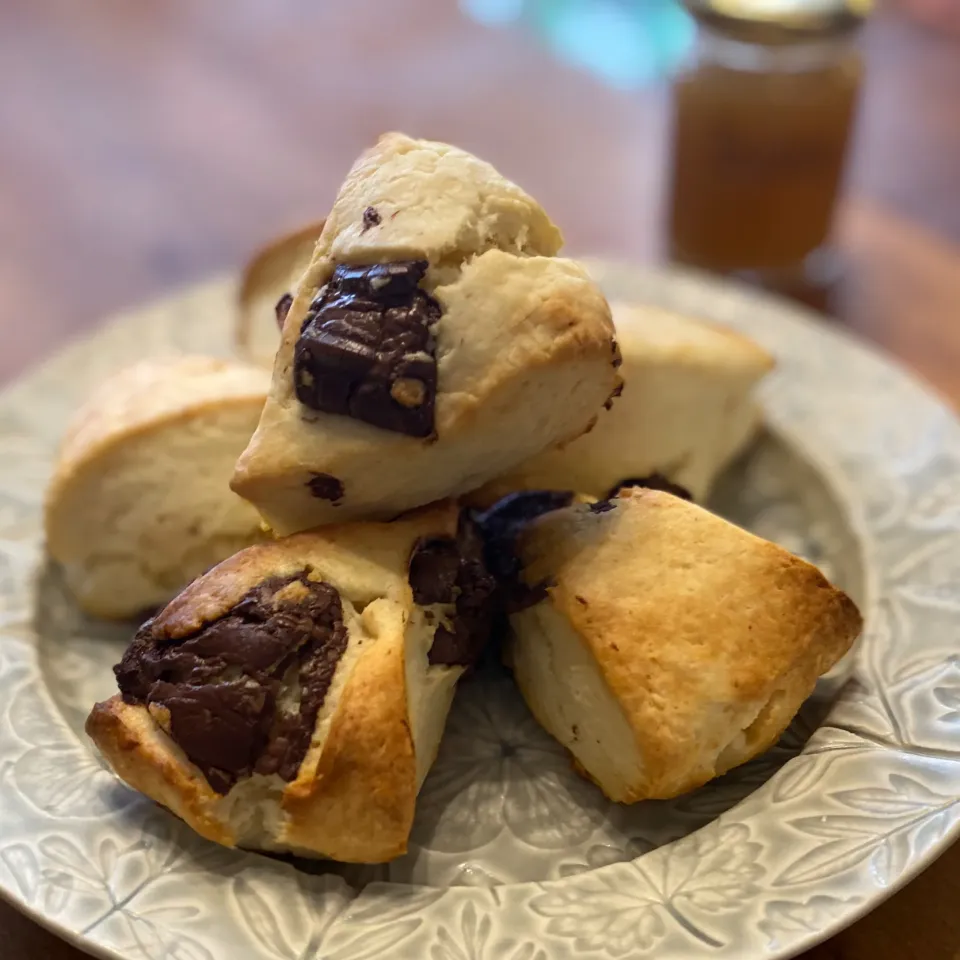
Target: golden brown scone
685,411
434,342
670,645
293,698
266,292
140,502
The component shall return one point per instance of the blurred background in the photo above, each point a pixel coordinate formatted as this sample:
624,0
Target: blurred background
811,146
145,145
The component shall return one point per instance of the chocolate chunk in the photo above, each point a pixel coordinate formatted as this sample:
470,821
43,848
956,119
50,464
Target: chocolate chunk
617,358
655,481
500,526
370,218
283,308
243,692
324,486
366,348
448,570
434,566
502,523
617,390
602,506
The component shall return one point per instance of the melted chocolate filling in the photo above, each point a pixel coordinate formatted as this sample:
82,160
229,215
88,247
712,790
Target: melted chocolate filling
447,570
243,692
366,349
500,526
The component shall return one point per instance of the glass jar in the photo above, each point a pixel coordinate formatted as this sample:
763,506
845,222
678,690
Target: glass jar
762,120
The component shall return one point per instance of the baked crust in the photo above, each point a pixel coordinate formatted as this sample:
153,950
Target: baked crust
144,757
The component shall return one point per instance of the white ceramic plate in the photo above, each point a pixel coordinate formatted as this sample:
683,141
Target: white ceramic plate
513,856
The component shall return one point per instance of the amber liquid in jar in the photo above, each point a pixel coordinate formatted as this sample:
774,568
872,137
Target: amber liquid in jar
760,136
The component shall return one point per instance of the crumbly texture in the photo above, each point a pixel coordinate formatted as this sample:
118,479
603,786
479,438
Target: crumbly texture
686,409
518,327
375,730
671,645
139,503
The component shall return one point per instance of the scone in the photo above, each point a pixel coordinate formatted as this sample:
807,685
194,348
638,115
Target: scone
434,342
266,292
661,645
293,698
140,502
685,411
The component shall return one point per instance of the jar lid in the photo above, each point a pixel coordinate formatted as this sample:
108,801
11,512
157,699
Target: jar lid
780,21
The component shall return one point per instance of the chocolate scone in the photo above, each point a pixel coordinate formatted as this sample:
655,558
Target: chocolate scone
435,342
293,698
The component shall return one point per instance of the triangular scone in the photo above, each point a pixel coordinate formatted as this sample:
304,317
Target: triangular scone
434,343
662,645
293,698
140,502
685,411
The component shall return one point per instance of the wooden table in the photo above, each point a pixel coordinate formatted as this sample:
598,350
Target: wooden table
147,144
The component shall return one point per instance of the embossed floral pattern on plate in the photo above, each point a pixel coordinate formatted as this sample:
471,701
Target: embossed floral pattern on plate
513,857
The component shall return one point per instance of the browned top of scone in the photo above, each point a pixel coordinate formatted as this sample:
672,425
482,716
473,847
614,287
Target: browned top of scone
241,693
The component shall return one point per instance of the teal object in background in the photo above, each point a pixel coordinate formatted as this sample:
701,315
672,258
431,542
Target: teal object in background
626,43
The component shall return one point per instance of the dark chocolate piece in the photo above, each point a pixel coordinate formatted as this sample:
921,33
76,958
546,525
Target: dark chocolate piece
655,481
366,348
617,358
448,570
325,486
617,390
282,308
371,218
500,526
602,506
502,523
243,691
434,566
